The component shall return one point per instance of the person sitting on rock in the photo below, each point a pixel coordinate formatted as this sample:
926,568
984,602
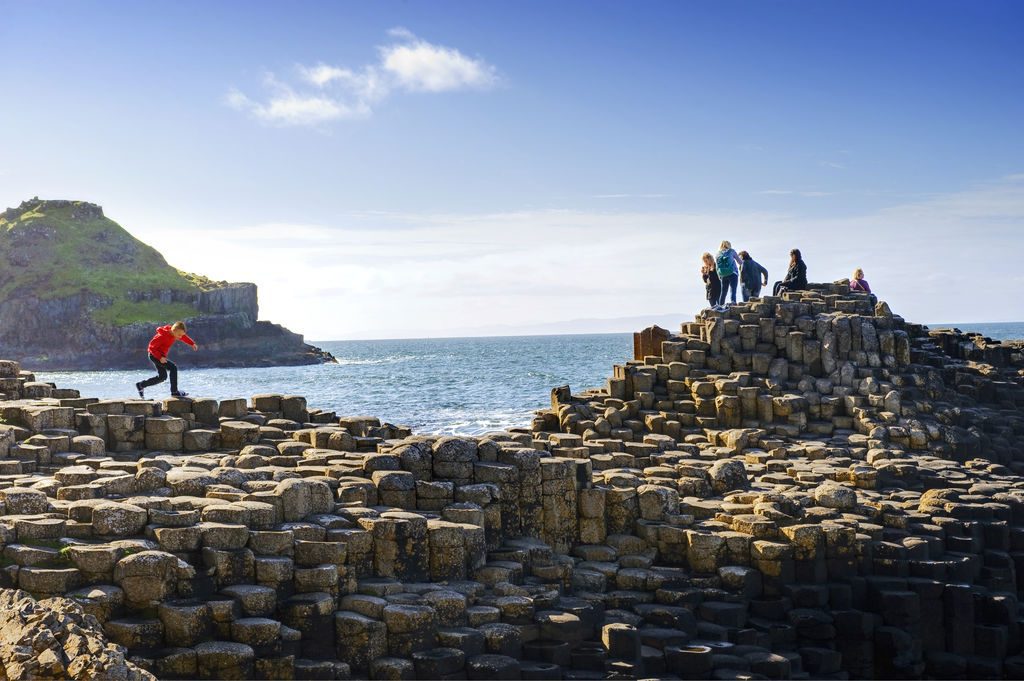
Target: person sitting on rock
858,282
712,284
158,348
796,275
728,265
752,277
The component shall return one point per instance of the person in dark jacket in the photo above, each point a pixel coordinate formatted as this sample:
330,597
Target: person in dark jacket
712,284
796,275
752,277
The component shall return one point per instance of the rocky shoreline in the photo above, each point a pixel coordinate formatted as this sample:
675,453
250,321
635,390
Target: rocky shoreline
801,487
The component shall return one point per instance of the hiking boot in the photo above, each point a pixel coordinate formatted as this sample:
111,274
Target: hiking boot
138,386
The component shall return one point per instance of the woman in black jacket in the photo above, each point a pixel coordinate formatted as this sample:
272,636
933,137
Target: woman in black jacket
712,284
796,275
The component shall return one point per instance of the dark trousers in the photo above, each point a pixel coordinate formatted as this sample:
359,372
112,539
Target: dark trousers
749,293
728,282
712,295
162,369
782,287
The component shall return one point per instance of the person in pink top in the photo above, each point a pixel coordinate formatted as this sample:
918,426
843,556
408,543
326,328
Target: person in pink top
858,282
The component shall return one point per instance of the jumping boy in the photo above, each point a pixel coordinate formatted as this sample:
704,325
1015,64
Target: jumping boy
158,349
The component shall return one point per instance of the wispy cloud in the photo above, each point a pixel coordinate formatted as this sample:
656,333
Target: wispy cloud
630,196
419,66
792,192
831,164
324,92
287,106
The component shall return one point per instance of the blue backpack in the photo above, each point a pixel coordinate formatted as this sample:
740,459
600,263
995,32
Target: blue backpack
724,264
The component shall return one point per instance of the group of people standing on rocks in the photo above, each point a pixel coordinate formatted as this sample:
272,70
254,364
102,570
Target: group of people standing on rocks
726,270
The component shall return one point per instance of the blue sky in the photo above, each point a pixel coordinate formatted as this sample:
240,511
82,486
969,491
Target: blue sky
414,168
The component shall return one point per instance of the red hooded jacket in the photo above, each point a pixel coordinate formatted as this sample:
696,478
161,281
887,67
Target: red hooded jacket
163,340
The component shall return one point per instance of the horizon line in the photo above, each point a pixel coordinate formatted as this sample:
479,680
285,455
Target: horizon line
933,326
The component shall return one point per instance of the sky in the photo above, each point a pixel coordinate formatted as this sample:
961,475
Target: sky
411,169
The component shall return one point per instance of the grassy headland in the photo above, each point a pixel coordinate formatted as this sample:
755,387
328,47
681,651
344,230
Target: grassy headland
59,249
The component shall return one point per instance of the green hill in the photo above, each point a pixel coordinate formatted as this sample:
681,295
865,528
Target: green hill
77,291
56,249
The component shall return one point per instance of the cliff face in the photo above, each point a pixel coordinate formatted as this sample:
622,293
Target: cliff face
77,291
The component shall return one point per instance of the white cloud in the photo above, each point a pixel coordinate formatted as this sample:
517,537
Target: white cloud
289,108
421,67
402,33
326,92
322,74
367,86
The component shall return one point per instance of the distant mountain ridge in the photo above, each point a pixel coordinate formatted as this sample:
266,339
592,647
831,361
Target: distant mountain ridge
78,291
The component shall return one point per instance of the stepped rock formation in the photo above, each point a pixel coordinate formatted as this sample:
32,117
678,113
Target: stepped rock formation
77,291
804,487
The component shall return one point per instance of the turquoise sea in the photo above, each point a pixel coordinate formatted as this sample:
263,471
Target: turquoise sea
450,385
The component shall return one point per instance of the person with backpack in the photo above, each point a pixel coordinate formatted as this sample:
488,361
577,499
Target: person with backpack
712,284
796,275
727,264
752,277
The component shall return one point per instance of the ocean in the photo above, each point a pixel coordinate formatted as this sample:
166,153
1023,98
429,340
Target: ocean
449,385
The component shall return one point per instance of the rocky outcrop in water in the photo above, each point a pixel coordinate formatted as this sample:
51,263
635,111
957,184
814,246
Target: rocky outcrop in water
802,487
79,292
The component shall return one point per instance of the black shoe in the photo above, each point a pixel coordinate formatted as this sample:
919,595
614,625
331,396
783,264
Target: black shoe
138,386
179,393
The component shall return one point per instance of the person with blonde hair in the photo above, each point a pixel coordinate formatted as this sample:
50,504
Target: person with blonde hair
727,264
858,282
712,284
158,348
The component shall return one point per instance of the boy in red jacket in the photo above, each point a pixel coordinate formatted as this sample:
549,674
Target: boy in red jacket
158,348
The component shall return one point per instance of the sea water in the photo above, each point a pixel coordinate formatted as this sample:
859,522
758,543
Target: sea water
448,385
